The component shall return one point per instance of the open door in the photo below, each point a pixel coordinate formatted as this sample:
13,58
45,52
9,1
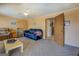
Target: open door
59,29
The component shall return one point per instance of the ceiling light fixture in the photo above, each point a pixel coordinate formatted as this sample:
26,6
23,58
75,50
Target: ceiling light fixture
25,14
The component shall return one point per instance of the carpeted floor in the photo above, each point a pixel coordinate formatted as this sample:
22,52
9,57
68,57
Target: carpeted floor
41,47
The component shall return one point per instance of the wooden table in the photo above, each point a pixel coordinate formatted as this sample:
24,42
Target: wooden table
11,46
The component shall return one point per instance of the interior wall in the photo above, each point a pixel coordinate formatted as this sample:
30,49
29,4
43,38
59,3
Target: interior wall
5,22
72,30
31,24
22,24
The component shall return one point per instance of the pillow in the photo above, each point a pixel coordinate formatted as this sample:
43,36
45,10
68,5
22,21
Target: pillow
38,33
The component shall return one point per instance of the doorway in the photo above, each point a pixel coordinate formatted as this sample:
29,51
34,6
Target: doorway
50,28
55,29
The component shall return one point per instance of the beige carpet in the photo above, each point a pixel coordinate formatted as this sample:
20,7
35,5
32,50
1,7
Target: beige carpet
43,47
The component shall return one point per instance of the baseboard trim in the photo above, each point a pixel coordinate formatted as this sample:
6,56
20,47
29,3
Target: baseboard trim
71,45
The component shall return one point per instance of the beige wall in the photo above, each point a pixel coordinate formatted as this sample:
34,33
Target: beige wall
72,31
5,21
22,24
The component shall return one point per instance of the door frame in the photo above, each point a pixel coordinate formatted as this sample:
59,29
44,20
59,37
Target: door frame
46,28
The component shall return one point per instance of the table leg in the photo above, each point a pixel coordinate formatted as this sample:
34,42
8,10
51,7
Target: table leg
6,51
22,49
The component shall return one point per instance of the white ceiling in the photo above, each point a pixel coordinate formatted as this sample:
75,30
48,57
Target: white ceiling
34,9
